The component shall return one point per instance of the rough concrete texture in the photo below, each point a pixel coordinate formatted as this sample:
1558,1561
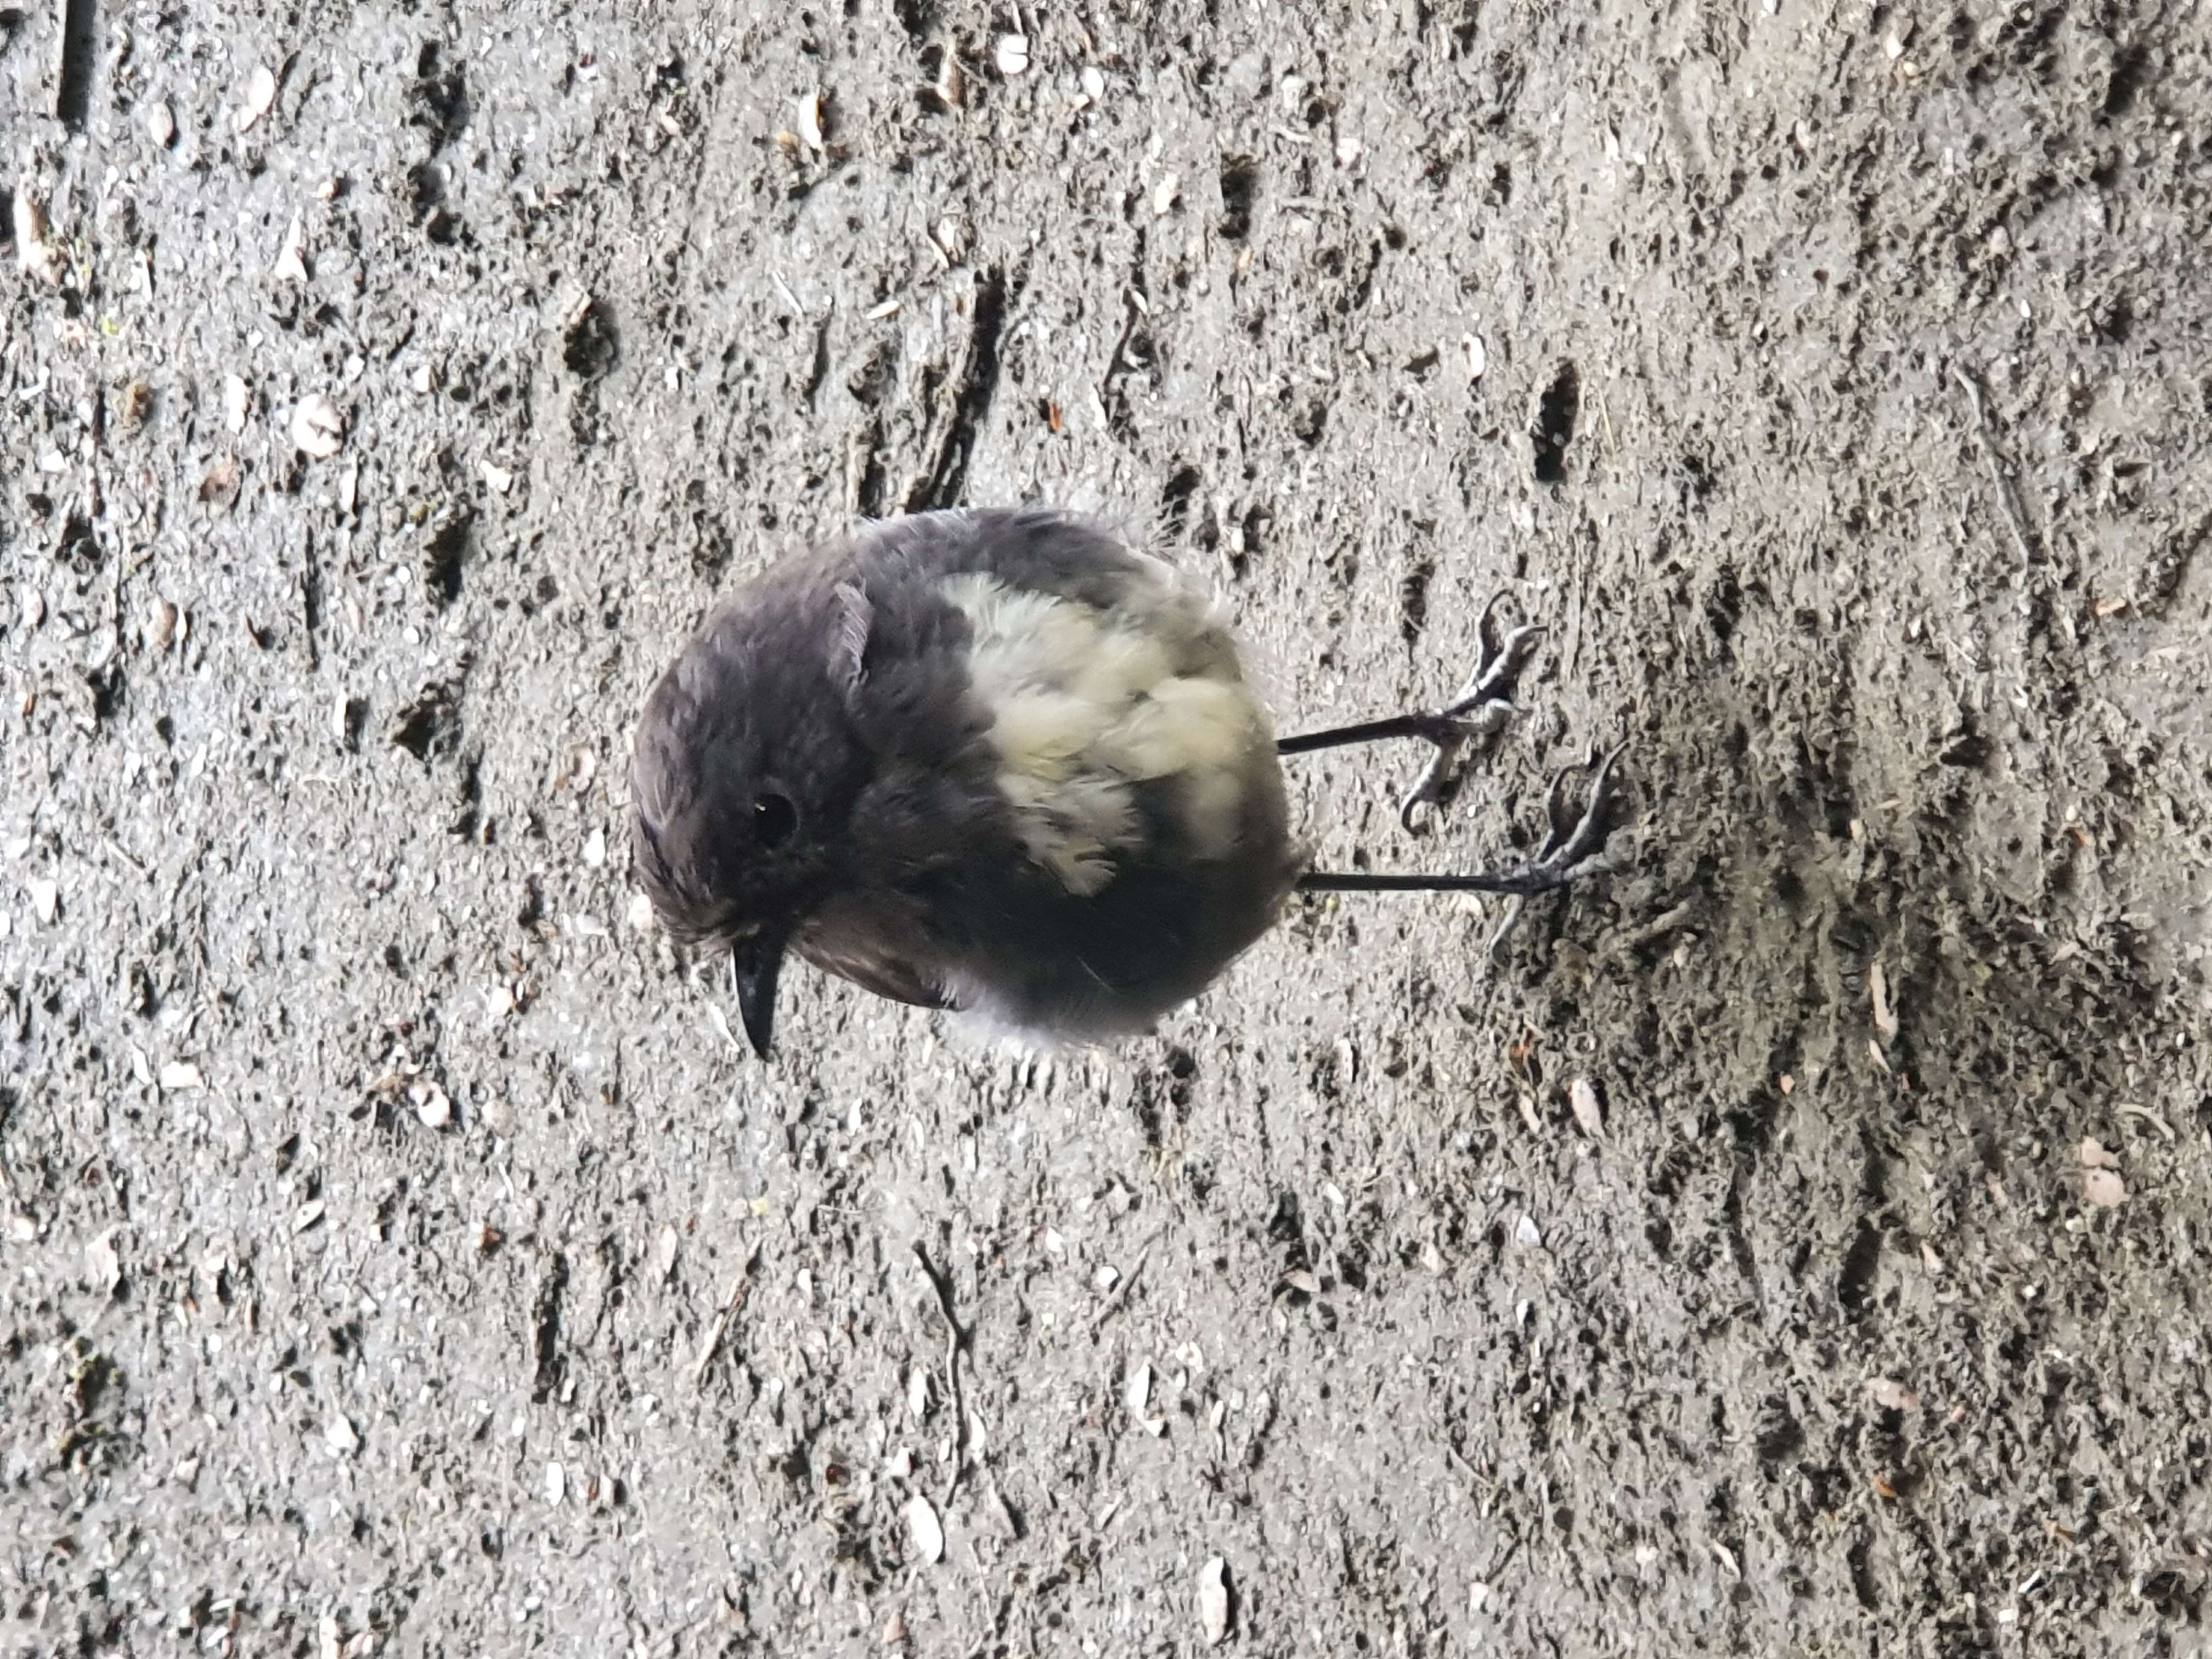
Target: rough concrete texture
399,1256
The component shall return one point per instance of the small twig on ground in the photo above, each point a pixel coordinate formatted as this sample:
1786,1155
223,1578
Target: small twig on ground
137,868
731,1308
956,1341
1629,939
2007,488
1121,1291
1116,360
2166,1130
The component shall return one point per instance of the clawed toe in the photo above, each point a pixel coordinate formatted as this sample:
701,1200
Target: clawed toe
1575,845
1576,841
1497,667
1475,718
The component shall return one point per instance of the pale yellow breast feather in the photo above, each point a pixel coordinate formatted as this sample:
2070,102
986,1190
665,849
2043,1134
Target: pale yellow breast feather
1087,702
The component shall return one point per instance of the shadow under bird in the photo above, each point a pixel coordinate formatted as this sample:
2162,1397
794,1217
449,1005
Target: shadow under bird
999,761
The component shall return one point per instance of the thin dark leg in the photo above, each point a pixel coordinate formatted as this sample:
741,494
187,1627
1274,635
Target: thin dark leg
1525,880
1434,727
1574,847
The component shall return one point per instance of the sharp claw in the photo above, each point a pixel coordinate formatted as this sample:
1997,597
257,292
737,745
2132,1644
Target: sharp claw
1576,841
1559,816
1516,907
1437,784
1496,670
1485,626
1441,778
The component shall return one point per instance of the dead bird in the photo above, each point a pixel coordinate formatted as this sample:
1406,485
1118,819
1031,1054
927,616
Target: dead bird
1001,763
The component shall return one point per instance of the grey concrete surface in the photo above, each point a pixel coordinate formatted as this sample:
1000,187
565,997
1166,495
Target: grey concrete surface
399,1256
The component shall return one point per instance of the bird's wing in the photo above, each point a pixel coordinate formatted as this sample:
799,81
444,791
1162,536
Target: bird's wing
886,976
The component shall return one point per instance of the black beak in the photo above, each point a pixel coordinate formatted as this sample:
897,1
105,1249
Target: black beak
754,964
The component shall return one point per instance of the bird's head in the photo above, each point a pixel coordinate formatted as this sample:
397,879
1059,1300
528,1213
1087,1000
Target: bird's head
739,785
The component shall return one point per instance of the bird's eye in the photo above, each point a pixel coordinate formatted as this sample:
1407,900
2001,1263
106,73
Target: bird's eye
773,819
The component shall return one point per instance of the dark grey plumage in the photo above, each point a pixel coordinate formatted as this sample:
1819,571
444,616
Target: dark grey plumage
993,761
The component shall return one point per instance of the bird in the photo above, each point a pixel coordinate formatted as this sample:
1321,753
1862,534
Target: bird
1002,762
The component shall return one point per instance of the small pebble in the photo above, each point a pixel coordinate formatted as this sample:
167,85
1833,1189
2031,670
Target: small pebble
317,428
925,1529
432,1105
260,95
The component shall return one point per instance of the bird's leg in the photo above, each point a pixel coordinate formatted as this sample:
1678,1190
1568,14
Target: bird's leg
1573,848
1474,717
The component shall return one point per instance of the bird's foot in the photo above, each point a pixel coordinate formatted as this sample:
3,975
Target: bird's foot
1574,842
1471,722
